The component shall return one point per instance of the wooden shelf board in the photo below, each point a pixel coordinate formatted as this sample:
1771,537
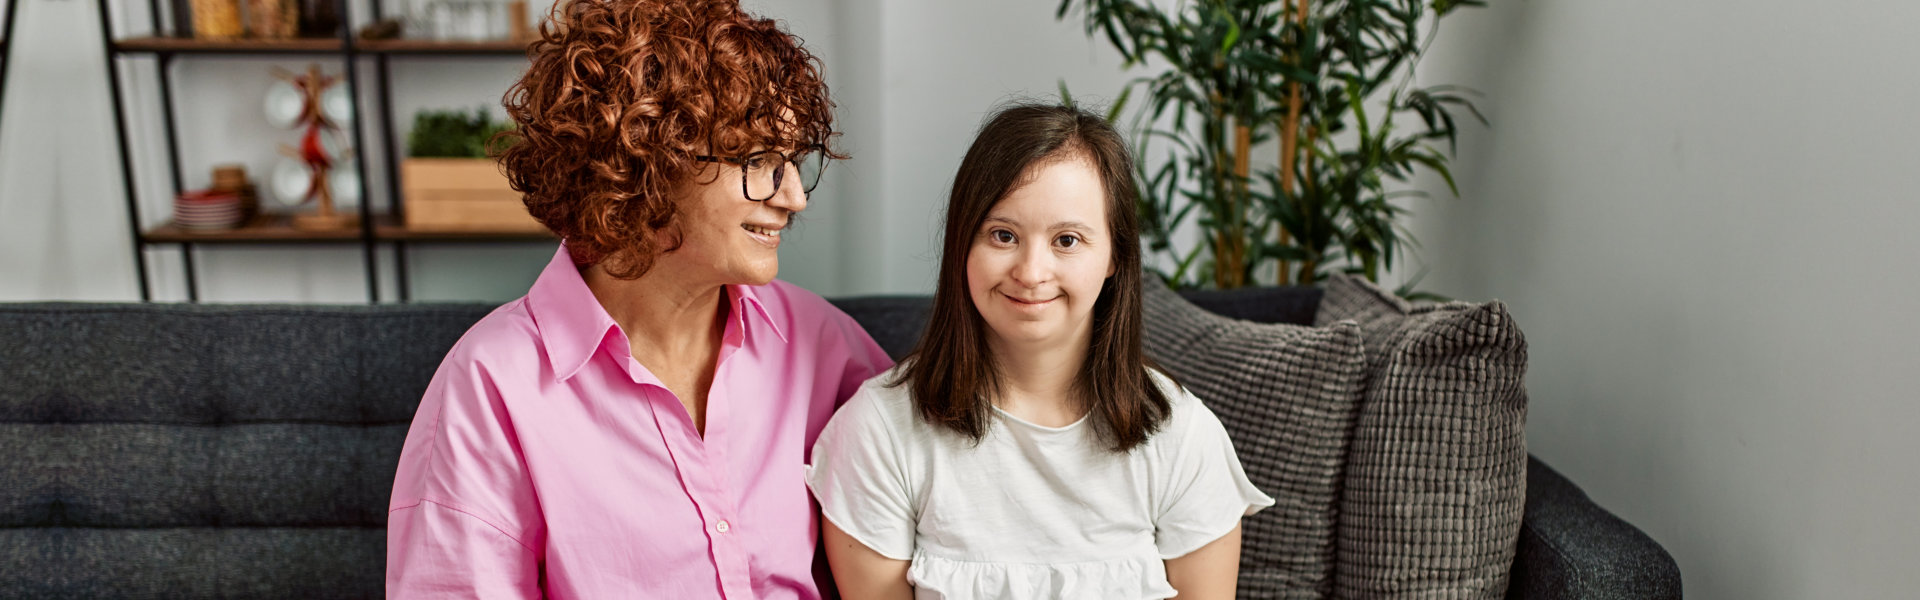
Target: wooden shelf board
239,46
490,47
274,228
175,45
270,228
397,232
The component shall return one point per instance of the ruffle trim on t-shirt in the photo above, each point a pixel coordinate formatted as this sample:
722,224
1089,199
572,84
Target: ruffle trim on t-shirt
1144,578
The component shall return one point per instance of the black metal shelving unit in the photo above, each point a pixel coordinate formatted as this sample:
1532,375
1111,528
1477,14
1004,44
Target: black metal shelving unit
375,229
6,50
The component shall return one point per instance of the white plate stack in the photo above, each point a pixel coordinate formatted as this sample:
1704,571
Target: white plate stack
207,210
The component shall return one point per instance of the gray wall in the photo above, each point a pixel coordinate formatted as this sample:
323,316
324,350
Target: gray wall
1702,214
1698,211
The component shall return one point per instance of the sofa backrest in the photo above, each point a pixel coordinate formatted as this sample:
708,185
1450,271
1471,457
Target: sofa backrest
895,322
201,451
196,451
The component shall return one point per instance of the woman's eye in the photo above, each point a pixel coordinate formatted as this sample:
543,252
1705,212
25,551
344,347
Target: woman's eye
1001,235
754,163
1067,241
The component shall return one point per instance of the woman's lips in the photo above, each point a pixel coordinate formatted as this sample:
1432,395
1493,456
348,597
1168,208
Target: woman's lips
765,235
1029,304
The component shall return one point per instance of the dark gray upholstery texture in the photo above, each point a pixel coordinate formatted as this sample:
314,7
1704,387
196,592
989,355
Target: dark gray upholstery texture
1571,548
1287,395
207,452
1436,481
181,451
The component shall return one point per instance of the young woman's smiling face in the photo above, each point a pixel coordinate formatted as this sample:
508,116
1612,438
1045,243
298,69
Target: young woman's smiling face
1041,257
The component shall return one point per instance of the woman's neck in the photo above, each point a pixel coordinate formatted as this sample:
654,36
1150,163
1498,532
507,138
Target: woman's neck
1038,382
661,311
673,325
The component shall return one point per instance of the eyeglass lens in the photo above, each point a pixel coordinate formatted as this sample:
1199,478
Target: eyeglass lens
766,171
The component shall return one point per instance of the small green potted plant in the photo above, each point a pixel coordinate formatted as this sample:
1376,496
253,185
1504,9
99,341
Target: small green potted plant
448,181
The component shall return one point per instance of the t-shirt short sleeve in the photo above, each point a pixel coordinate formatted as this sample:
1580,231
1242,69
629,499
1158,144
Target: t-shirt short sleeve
1201,490
859,474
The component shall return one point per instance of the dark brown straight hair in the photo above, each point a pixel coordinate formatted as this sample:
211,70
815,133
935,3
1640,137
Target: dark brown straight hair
951,373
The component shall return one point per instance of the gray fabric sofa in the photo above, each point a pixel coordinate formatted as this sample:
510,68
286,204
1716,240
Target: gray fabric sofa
181,451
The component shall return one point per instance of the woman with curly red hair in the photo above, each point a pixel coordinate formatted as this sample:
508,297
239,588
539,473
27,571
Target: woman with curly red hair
637,424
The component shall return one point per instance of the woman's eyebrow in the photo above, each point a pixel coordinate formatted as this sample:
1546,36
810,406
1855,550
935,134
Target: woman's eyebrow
1055,227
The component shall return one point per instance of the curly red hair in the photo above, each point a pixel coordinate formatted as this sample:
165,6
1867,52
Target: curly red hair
622,95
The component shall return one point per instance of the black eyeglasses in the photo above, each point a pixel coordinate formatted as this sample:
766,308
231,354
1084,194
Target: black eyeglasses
761,173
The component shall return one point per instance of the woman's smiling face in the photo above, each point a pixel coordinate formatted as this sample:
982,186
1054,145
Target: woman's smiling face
731,239
1041,257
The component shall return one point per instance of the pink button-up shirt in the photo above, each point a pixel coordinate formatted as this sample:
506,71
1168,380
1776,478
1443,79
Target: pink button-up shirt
545,459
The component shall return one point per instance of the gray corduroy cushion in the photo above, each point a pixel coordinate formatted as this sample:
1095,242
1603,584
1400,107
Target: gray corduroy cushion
1436,479
1286,394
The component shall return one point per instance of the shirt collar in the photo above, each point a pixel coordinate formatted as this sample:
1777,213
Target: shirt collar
745,301
573,324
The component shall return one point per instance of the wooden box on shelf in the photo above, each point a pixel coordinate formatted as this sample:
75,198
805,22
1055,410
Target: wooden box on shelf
462,194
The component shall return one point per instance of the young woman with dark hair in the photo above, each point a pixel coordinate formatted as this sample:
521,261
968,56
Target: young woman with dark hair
1028,448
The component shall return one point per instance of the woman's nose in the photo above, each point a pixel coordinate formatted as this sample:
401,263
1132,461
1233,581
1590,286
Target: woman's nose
792,192
1032,267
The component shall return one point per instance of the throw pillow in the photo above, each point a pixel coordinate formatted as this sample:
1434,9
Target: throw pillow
1287,395
1436,476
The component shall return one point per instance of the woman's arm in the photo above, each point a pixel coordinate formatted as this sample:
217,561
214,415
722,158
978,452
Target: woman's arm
863,574
460,495
1211,572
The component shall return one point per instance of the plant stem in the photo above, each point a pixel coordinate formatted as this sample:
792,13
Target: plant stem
1229,256
1289,136
1242,144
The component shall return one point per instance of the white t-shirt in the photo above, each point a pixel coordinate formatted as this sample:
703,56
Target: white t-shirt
1031,512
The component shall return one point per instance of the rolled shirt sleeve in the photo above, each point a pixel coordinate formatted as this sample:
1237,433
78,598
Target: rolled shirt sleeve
464,521
437,551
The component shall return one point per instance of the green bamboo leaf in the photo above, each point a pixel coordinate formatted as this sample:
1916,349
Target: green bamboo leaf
1119,104
1439,165
1233,36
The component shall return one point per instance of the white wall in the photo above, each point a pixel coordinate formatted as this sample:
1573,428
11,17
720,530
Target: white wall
1702,215
922,77
61,226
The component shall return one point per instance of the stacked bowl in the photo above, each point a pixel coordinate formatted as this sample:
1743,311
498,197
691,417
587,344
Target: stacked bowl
208,210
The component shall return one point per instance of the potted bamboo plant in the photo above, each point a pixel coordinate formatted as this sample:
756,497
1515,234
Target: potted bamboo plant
1329,82
449,182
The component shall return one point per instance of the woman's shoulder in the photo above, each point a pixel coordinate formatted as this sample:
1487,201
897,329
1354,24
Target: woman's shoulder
877,413
506,336
879,399
1184,408
1178,398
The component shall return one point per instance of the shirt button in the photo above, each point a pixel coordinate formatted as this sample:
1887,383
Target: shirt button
722,527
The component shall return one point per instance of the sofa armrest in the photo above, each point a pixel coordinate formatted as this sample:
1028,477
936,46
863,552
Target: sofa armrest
1572,548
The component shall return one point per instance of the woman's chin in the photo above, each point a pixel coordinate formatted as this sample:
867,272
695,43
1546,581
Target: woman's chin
758,275
1031,335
